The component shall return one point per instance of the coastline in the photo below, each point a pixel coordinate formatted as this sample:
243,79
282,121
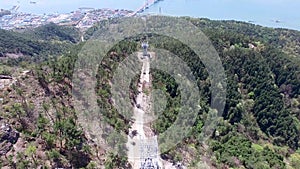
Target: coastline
165,7
277,15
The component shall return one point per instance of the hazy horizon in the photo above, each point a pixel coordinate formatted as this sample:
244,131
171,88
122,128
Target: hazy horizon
273,13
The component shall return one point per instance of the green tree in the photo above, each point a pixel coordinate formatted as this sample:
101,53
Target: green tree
31,152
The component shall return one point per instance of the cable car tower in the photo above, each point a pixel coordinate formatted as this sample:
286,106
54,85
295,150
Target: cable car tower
145,47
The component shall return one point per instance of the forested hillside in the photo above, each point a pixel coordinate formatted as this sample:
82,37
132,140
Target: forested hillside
38,43
52,32
260,125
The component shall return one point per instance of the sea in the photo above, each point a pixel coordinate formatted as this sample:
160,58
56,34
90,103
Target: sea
271,13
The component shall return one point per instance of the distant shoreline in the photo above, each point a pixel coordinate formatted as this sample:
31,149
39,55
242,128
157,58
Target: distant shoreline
160,8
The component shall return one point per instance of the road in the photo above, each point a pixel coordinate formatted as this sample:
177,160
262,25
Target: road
142,146
146,5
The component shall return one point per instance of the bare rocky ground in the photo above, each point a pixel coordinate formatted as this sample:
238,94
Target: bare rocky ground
143,116
16,91
23,88
135,141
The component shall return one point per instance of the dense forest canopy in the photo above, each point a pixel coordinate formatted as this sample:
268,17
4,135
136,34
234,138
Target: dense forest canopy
38,43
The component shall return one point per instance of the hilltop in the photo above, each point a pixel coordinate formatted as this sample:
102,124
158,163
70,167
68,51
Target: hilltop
260,127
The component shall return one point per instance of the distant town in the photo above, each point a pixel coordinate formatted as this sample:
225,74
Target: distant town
82,18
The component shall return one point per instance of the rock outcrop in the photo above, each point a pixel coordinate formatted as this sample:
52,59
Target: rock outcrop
8,137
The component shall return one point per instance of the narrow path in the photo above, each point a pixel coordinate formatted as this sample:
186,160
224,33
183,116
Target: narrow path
142,148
